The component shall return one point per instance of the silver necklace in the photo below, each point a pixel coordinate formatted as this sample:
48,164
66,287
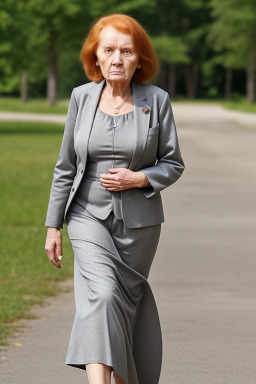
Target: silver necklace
116,109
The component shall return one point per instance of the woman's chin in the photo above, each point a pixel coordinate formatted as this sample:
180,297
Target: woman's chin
116,76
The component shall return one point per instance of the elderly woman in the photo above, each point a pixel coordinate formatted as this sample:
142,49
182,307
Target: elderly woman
119,150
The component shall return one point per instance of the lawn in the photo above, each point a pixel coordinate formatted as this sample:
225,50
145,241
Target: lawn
236,105
29,152
42,106
9,104
241,105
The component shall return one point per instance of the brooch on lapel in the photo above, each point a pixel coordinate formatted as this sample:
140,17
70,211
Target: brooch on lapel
145,109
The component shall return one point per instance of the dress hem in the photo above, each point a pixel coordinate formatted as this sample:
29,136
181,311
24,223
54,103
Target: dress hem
82,366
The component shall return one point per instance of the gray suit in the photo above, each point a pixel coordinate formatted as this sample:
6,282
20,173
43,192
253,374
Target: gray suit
156,153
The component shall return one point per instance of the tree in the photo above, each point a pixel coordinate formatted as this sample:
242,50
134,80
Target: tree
170,51
233,35
10,76
184,22
59,22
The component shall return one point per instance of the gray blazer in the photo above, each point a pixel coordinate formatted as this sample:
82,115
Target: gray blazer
156,153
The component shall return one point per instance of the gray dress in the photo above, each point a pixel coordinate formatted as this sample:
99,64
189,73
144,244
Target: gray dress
116,320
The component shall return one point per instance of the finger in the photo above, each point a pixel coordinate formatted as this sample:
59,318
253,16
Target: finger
111,188
118,188
110,183
50,251
111,175
55,262
107,177
115,170
111,178
58,251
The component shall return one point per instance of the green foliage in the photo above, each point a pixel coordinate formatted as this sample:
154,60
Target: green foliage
70,71
189,33
170,49
29,29
99,7
233,30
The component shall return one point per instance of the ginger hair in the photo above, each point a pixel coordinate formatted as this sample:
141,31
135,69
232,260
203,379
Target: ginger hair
141,40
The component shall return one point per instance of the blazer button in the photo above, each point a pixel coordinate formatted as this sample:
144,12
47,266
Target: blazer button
82,171
73,189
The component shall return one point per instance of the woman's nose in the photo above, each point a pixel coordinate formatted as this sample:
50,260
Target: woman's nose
117,58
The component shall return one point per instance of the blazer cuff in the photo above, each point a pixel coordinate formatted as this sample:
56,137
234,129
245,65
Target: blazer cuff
149,190
49,223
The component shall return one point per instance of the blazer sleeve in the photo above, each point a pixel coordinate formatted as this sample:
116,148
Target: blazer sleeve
170,164
64,171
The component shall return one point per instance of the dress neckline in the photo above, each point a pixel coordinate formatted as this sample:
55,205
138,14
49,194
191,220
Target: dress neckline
107,114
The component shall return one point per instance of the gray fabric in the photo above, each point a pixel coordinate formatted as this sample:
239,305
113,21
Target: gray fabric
116,321
110,145
156,152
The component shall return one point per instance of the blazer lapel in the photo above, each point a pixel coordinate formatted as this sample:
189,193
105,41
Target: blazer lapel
87,115
141,119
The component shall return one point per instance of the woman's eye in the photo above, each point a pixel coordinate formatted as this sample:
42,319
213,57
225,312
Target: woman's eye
107,50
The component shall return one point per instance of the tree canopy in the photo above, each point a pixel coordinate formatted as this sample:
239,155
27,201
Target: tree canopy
199,44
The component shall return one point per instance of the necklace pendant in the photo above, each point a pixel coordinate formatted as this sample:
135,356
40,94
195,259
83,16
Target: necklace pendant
116,111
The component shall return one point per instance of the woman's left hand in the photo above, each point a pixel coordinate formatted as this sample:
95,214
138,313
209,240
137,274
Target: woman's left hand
123,178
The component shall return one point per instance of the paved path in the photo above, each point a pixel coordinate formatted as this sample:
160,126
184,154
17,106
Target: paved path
203,275
196,112
40,117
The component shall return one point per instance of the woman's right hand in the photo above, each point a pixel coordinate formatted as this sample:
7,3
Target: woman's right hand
53,245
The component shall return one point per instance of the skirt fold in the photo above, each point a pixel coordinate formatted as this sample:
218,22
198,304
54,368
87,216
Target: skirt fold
116,321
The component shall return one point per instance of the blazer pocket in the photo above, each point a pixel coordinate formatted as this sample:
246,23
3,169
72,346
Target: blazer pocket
153,129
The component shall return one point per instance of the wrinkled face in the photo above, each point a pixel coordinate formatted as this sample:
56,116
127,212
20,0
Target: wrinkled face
116,55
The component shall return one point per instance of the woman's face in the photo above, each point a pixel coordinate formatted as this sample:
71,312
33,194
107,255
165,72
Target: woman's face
116,55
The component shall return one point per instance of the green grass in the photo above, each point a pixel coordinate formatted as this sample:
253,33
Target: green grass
29,152
42,106
240,104
182,99
33,106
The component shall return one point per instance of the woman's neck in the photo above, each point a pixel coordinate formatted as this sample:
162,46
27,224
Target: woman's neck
117,89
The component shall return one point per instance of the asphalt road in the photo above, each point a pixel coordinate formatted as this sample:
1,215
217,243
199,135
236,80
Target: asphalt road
203,275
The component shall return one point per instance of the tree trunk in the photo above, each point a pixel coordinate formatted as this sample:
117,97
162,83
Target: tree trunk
191,76
228,83
52,72
162,77
24,86
250,77
172,80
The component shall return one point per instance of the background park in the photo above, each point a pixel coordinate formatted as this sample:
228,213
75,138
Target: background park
207,55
